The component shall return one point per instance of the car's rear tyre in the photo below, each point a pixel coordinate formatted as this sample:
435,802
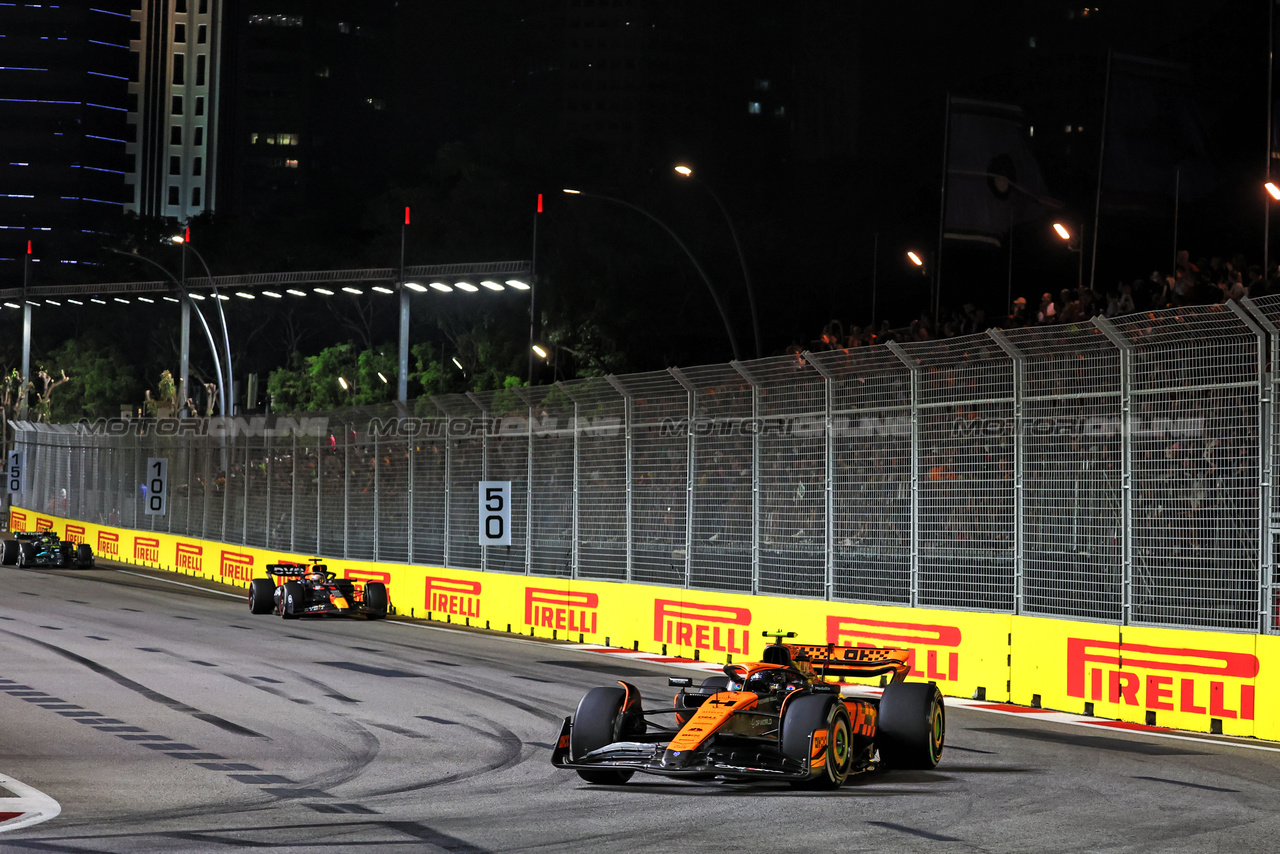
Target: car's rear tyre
262,596
84,555
26,554
594,726
9,553
293,600
911,726
807,716
375,597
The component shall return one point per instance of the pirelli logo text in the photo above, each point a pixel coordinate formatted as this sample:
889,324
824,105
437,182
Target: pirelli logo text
189,557
75,534
367,575
17,520
935,649
147,549
43,524
452,596
108,544
235,566
714,628
1197,681
559,609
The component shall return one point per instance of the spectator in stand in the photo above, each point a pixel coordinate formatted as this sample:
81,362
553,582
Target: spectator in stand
1048,311
1018,316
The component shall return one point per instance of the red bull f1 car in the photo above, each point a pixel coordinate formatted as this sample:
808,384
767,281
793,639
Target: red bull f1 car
311,590
779,719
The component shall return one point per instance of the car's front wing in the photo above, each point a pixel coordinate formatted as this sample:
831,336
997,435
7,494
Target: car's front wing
747,760
328,609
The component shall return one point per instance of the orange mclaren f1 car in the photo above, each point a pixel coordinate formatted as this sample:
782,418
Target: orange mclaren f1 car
779,719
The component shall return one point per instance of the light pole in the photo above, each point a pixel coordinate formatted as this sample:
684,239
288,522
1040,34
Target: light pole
402,381
186,305
1078,239
184,240
724,316
687,172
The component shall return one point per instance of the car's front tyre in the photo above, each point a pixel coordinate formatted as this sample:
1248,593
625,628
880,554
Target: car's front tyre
813,718
594,725
293,600
376,599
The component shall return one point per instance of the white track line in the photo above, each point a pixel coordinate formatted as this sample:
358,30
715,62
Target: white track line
31,805
183,584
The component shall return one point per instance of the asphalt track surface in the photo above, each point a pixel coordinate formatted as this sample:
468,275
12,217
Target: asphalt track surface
165,717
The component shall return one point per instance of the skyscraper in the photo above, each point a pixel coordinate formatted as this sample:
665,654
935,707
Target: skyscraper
63,132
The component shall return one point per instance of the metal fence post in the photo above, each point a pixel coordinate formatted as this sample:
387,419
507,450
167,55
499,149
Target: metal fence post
1126,465
377,516
829,475
484,464
346,492
690,451
914,368
755,478
267,460
448,480
1019,391
628,464
244,522
293,496
412,444
1265,594
319,493
1268,531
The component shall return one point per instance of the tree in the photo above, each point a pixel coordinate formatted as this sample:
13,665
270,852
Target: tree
100,378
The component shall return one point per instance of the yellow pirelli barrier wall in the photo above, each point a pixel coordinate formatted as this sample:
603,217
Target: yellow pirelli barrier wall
1199,681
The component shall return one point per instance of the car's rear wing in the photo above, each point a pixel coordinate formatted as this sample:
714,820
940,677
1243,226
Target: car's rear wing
294,570
859,662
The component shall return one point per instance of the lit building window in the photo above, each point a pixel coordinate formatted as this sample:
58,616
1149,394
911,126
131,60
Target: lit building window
276,20
291,164
753,107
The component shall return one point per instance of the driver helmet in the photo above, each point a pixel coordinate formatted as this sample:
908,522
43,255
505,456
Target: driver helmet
315,575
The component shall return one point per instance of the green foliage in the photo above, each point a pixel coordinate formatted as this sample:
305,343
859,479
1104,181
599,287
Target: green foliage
311,383
101,379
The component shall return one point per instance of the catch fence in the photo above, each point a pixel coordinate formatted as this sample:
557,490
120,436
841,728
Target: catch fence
1110,470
